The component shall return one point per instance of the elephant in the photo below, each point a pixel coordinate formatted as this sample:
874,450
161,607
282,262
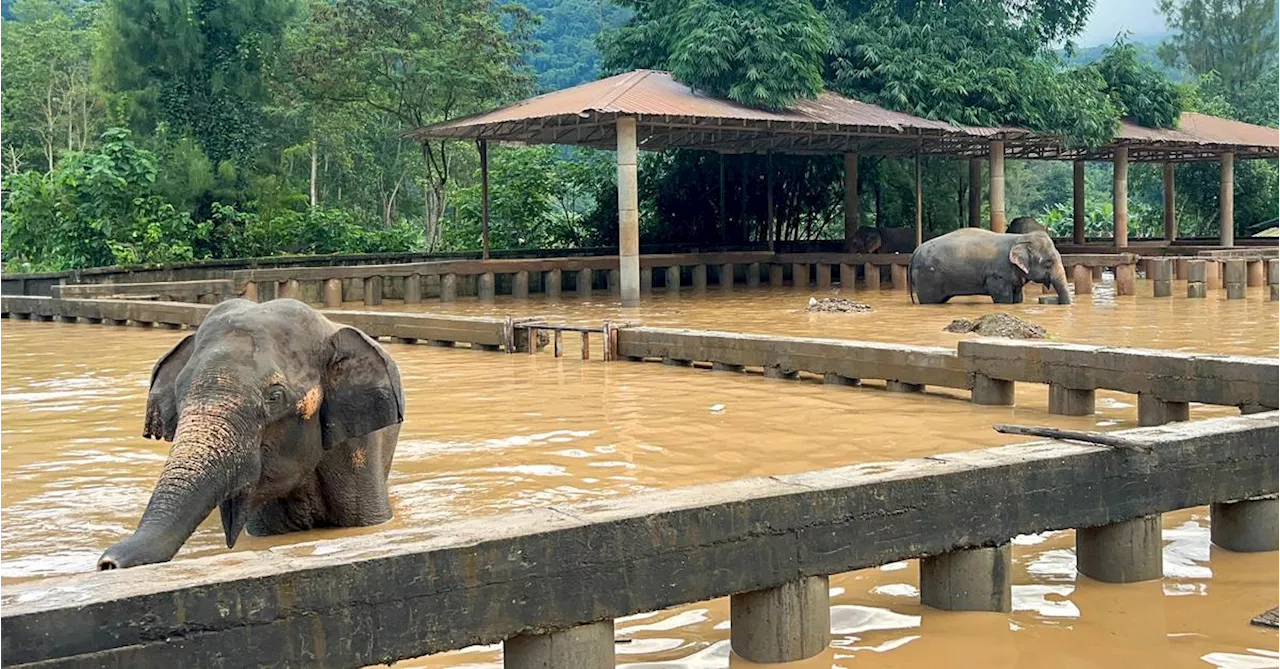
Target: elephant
973,261
282,419
1024,224
868,239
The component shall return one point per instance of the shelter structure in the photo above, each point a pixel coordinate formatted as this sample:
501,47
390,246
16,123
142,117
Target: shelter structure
649,110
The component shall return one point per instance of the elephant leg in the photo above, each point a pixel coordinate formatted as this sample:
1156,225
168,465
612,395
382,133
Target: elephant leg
302,509
353,479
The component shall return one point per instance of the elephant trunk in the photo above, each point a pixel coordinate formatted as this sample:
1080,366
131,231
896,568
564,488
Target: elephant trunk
1058,280
209,464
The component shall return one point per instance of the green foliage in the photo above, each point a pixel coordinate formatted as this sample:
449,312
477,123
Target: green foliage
1235,38
1138,90
567,53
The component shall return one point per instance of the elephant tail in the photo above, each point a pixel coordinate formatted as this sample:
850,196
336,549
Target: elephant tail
911,267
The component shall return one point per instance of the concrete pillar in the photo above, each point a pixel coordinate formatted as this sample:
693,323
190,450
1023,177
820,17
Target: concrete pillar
1213,275
848,276
1247,526
753,275
1097,273
1125,552
1126,279
1257,274
646,280
898,275
699,278
775,275
997,186
1077,201
919,203
293,290
1235,277
1196,278
1120,197
449,287
771,372
1227,201
1065,401
1180,268
488,286
1155,411
850,199
726,276
413,288
978,579
582,647
822,276
332,293
1170,205
991,392
1161,273
613,279
833,379
975,192
373,290
784,624
1082,277
800,276
725,367
628,213
770,234
673,279
484,199
552,285
871,276
584,282
1273,279
251,291
520,284
895,386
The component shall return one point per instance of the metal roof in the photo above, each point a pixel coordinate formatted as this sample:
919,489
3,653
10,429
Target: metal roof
672,115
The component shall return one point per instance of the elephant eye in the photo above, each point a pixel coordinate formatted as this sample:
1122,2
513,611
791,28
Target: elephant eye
275,395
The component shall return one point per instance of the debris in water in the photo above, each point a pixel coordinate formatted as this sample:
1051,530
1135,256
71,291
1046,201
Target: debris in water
998,325
837,305
1268,618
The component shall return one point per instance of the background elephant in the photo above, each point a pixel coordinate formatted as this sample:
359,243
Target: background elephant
972,261
279,417
867,239
1024,224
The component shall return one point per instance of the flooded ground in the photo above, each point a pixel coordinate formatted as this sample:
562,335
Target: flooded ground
487,433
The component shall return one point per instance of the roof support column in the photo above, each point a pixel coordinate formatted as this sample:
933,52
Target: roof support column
919,204
1120,197
742,202
997,186
1077,201
484,199
975,192
628,214
724,226
1226,201
850,199
771,233
1170,199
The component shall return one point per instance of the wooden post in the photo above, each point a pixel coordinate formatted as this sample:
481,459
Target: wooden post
1170,200
975,192
628,213
484,198
919,204
997,186
1226,201
1120,198
770,233
850,199
1077,202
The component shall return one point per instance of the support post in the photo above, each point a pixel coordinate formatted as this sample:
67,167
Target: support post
800,276
1125,552
646,280
753,275
977,579
919,204
585,278
613,278
1161,271
1077,202
775,275
552,286
373,291
822,276
292,289
848,276
413,288
898,275
332,293
724,227
784,624
975,192
1065,401
770,233
251,291
484,198
520,284
1235,278
1257,274
1226,201
850,199
1082,277
997,186
449,287
1273,279
488,286
673,279
1126,279
582,647
991,392
1170,204
1120,198
628,214
726,276
1213,275
1196,275
1247,526
1155,411
871,275
699,277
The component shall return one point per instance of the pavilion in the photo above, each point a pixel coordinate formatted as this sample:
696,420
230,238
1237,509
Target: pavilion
649,110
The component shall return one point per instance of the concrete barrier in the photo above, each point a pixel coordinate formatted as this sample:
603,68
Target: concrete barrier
210,290
538,571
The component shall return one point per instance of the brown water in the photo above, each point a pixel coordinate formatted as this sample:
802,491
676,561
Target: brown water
487,433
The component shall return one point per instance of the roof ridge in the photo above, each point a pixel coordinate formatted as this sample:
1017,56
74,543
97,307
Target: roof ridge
612,96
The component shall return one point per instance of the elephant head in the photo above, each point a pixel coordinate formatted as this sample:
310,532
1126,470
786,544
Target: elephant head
865,240
251,402
1034,255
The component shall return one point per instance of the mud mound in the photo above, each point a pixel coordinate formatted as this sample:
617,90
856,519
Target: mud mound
837,305
998,325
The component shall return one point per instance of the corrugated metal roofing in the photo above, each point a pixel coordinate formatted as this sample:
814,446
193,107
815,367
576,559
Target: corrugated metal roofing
1196,128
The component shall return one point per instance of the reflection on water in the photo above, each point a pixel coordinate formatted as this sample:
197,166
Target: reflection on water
490,433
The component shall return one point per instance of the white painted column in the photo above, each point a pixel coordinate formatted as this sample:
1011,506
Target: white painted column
997,186
628,213
1120,197
1226,201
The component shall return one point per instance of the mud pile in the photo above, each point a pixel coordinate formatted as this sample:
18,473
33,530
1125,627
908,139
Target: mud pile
837,305
998,325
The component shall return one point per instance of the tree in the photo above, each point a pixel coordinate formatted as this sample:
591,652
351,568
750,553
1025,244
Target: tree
418,62
1235,38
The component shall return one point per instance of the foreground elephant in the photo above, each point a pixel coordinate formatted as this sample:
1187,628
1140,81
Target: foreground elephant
278,416
1024,224
972,261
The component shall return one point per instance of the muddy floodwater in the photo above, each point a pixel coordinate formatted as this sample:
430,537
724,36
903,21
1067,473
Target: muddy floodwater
487,433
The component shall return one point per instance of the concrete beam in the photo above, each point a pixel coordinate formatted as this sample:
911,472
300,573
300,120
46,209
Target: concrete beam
378,600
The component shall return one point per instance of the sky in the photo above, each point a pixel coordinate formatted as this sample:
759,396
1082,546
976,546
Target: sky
1140,17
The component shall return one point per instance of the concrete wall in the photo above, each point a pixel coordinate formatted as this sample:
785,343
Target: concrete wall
482,580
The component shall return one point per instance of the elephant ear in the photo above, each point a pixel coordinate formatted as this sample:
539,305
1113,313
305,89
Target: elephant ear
162,399
362,391
1020,256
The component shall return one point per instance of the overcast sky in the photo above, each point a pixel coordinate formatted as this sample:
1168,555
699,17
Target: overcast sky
1109,17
